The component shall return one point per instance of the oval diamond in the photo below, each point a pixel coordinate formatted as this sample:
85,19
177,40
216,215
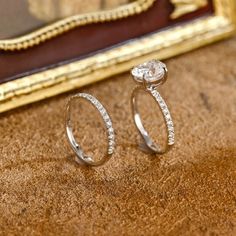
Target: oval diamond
151,71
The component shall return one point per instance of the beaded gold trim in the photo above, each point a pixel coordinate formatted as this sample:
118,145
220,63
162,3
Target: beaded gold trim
69,23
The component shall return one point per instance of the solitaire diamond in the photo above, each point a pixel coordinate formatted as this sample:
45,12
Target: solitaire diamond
151,71
150,75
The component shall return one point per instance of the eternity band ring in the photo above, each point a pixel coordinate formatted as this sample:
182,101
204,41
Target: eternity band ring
81,157
149,76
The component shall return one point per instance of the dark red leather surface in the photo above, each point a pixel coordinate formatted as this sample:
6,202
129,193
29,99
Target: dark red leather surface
85,40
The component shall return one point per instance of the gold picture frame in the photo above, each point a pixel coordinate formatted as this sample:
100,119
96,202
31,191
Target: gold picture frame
161,45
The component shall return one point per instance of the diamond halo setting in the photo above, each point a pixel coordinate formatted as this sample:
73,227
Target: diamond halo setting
153,71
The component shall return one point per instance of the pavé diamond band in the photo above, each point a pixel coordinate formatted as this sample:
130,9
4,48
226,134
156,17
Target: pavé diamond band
82,158
149,75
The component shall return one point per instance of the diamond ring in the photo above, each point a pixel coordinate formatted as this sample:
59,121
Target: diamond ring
81,157
149,76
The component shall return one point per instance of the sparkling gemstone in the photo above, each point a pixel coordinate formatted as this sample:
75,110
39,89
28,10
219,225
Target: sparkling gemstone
151,71
110,130
111,137
110,150
170,123
111,143
166,111
171,141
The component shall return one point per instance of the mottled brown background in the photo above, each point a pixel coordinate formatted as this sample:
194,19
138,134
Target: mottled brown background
189,191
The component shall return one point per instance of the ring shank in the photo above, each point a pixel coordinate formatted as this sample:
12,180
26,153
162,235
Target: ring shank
81,157
151,145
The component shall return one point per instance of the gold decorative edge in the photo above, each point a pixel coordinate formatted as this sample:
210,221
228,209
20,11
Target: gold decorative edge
185,7
160,45
69,23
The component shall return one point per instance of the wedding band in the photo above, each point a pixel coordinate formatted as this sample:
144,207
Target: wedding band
149,76
82,158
